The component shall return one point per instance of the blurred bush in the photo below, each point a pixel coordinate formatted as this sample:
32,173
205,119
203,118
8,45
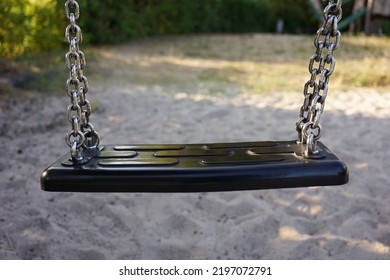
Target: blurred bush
108,21
32,26
29,26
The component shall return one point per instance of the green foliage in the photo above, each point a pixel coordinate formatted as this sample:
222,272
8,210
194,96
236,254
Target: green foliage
28,26
33,26
296,14
110,21
386,27
11,35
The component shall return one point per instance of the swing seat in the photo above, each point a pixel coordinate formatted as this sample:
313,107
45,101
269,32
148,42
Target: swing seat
168,168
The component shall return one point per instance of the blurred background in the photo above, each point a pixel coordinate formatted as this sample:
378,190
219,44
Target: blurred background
32,44
32,26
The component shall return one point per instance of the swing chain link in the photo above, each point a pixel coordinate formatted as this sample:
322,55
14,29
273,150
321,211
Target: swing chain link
321,67
83,133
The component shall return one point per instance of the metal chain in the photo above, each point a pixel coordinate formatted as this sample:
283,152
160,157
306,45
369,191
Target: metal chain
83,133
321,67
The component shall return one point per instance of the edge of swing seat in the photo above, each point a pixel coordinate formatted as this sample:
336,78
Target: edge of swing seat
215,167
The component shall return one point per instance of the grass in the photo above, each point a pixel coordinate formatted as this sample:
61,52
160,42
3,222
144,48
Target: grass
257,63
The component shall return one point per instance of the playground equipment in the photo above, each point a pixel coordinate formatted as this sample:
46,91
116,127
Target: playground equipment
303,162
371,11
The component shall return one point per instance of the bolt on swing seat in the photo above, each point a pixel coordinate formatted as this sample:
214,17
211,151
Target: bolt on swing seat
206,167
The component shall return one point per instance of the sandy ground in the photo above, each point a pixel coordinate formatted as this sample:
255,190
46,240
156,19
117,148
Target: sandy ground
339,222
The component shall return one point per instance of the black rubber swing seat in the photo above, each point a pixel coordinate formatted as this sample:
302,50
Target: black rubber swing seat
195,168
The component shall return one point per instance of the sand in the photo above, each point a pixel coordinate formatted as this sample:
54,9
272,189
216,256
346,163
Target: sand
338,222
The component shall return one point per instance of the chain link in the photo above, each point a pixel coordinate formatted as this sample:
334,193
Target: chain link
83,133
321,67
